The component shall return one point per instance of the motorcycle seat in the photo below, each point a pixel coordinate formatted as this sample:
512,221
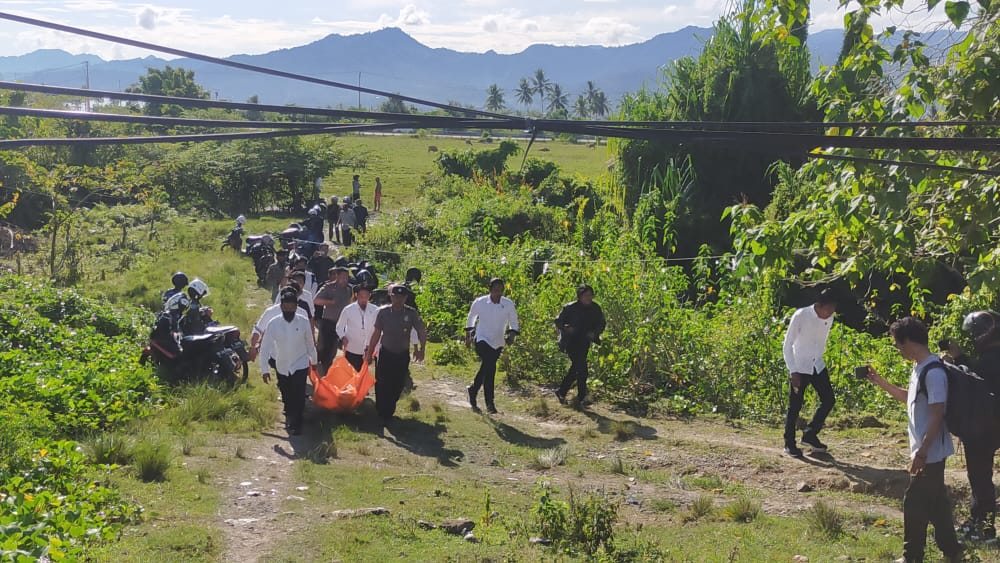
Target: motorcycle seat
194,338
221,329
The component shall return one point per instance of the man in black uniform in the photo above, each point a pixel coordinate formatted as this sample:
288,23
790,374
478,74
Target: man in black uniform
580,324
392,327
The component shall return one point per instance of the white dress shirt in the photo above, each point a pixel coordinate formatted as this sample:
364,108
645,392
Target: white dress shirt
289,343
493,320
805,341
356,325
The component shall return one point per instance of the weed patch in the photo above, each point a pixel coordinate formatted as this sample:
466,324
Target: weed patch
743,509
151,459
824,519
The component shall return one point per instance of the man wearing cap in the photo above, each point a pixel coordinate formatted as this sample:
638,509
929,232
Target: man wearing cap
355,326
287,340
393,326
333,297
492,323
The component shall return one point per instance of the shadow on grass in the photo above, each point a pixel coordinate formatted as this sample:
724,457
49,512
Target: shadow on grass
517,437
879,481
623,429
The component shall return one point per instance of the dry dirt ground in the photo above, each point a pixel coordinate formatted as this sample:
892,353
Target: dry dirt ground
659,459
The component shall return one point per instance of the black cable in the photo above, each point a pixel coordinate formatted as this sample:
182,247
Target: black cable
244,106
767,125
241,66
201,137
887,162
150,120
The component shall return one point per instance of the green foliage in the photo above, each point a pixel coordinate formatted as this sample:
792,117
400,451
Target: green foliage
586,525
452,353
151,457
55,508
743,509
168,81
702,507
469,164
824,519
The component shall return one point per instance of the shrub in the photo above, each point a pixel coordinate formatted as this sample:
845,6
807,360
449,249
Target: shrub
592,523
743,509
552,457
824,519
702,507
111,448
452,353
151,458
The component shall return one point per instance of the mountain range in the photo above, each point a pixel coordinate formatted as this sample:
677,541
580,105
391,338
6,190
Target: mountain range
392,61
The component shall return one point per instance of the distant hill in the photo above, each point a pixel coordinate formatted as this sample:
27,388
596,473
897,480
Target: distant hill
391,60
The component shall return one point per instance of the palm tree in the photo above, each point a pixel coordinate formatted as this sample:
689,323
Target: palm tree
592,91
599,104
494,98
541,85
581,108
525,94
557,100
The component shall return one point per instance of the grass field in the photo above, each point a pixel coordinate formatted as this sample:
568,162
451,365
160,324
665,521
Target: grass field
403,160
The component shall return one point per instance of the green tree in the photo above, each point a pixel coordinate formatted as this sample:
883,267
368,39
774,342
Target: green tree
525,94
558,101
541,85
168,81
393,105
598,104
494,98
580,107
253,114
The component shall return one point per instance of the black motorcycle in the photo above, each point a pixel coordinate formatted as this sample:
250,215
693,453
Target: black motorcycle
299,234
218,354
234,239
260,249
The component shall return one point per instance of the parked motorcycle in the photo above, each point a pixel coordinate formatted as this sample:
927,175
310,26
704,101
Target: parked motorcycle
299,234
260,249
234,239
218,354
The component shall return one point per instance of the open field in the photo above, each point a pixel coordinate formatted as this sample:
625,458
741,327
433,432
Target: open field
403,160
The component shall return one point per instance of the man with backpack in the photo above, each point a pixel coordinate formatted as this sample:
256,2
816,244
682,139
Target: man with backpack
926,497
980,449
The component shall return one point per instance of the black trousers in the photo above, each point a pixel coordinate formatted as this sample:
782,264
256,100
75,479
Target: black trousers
346,235
293,395
487,373
821,383
334,232
578,371
926,501
979,468
390,376
328,343
356,360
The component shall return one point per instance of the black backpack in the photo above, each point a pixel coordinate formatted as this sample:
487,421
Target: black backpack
971,409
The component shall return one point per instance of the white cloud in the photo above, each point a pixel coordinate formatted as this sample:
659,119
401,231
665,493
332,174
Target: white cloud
611,31
147,18
490,25
410,15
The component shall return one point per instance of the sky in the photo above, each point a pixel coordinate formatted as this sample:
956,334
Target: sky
228,27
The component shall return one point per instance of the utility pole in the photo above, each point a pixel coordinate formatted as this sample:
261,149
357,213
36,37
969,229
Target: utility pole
359,90
86,84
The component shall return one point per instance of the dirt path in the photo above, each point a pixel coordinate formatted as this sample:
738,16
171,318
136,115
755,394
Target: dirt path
660,459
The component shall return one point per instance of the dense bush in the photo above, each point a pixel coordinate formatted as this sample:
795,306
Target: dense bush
67,367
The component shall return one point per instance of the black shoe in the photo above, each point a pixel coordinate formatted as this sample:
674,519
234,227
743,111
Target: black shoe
792,451
562,397
811,440
472,398
491,409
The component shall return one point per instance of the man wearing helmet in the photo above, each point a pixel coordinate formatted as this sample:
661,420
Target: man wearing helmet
180,281
193,322
984,328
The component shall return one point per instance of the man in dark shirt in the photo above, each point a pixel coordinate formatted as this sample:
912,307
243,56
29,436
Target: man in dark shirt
580,324
393,326
276,273
361,215
332,218
333,297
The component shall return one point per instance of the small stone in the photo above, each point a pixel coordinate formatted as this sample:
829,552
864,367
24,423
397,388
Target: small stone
379,511
804,487
800,559
632,501
471,538
302,488
426,525
246,483
540,541
240,521
457,526
293,497
253,493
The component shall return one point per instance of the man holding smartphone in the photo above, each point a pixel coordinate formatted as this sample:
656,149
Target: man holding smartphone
926,497
804,347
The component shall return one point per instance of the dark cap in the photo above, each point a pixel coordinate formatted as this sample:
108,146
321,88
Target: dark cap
362,287
497,281
338,269
289,297
399,289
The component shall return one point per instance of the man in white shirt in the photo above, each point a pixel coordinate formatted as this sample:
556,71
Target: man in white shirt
805,344
492,323
926,498
288,341
354,327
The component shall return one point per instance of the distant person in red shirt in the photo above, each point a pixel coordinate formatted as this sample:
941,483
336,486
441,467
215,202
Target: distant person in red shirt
378,194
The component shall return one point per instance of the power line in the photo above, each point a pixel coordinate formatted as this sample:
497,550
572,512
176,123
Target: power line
238,65
888,162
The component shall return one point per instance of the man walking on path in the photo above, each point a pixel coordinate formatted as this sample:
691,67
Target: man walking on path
348,222
492,323
393,325
287,340
805,344
333,297
356,186
355,326
332,220
580,324
926,498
